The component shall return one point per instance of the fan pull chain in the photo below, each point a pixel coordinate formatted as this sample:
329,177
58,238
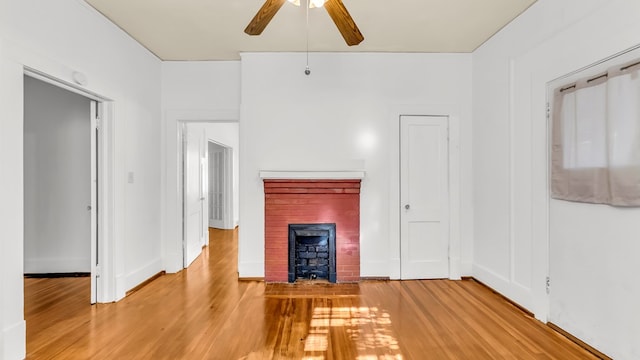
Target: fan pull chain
307,71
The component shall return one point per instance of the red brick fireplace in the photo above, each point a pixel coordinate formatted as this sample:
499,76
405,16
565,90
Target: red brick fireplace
312,201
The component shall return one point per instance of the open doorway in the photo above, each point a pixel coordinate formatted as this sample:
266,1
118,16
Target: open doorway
208,181
60,183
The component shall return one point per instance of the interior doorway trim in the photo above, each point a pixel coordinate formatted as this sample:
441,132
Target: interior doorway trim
104,273
172,184
42,76
451,112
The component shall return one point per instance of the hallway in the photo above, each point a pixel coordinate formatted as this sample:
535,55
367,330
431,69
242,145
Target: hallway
204,313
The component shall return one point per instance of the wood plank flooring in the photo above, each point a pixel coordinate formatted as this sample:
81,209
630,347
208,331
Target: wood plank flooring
204,312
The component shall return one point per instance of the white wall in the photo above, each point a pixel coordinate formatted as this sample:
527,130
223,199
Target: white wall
12,325
589,294
57,179
58,38
191,91
344,116
227,134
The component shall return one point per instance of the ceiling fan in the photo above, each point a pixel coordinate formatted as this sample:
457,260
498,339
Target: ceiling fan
336,9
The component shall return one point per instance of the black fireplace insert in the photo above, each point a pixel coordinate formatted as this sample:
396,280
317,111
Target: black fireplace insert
312,252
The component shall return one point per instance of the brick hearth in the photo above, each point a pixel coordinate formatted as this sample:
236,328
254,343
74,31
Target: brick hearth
312,201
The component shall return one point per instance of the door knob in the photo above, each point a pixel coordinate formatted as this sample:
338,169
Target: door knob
88,207
407,206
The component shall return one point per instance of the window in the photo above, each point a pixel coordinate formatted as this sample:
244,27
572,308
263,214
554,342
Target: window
595,147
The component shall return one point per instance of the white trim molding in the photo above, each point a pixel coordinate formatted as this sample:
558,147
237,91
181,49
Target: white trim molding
452,112
308,175
13,339
171,182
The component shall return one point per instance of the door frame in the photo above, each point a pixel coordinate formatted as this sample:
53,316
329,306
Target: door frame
172,184
102,247
95,114
451,112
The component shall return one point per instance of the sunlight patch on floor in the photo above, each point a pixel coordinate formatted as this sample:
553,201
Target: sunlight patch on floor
368,327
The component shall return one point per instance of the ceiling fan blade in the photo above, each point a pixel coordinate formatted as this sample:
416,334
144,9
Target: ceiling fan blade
344,22
263,16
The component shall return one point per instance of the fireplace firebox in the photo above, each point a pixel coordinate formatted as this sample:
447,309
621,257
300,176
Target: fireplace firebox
312,252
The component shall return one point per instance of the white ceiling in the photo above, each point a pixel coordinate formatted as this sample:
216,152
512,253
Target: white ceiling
214,29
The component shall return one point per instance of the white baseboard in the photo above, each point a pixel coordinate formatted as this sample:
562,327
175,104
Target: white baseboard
173,262
461,269
121,287
56,265
13,341
252,269
454,268
394,269
466,269
511,290
142,274
374,269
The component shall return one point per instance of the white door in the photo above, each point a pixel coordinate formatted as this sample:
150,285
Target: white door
424,196
195,230
217,185
93,206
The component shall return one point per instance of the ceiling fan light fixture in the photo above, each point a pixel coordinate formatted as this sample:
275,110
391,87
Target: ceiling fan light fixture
317,3
335,8
312,3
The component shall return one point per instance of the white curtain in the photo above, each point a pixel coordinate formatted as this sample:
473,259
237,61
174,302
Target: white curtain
595,148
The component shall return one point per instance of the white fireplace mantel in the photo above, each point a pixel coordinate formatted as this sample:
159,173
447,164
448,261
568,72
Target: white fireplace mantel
311,175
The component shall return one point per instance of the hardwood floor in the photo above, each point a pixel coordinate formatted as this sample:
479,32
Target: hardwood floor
204,312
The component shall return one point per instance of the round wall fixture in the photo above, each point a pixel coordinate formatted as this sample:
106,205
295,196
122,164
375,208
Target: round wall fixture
79,78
